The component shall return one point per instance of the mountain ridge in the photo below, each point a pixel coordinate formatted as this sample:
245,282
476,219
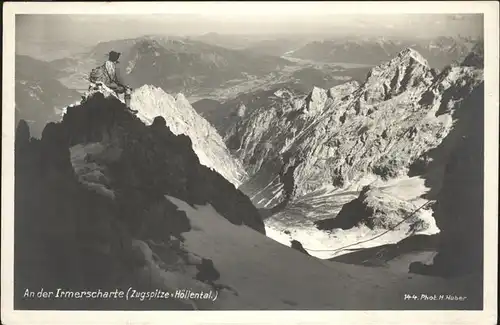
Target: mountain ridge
387,82
372,133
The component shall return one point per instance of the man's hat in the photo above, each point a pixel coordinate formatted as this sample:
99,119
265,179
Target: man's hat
113,56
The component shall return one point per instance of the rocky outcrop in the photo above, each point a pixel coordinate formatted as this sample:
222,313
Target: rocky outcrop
340,92
207,271
379,210
295,244
476,57
90,208
315,101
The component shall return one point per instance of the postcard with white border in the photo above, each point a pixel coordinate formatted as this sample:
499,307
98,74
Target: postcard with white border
250,162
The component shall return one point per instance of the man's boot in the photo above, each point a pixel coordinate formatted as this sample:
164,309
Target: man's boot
127,97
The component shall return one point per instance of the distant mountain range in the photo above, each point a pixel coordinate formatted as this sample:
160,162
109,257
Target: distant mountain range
176,65
277,46
38,94
439,52
236,42
219,67
49,50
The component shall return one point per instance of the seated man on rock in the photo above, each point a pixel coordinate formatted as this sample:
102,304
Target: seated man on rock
108,74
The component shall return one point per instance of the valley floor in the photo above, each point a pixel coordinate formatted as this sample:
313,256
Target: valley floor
296,222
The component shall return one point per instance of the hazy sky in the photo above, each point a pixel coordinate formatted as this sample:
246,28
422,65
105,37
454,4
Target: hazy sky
94,28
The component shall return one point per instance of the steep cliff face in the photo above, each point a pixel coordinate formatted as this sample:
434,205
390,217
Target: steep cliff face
375,130
460,210
92,190
181,118
460,213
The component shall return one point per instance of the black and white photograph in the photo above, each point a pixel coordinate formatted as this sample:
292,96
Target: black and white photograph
316,157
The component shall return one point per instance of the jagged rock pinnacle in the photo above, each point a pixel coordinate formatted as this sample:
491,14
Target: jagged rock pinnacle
407,70
316,99
411,53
